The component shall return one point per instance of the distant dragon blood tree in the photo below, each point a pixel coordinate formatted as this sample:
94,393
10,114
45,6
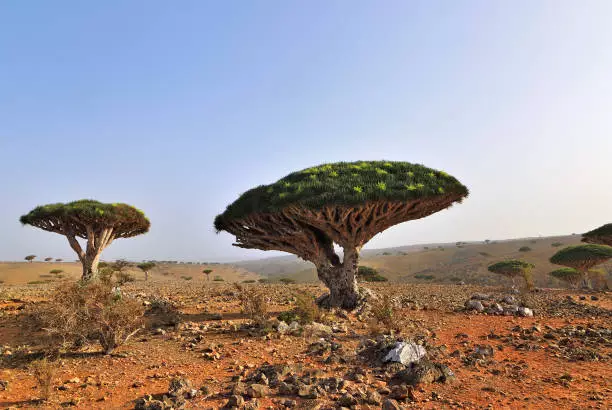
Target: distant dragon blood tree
582,258
98,223
146,267
567,275
513,268
307,212
601,235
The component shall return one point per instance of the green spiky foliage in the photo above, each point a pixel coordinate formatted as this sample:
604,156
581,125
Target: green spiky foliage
345,184
567,275
511,268
601,235
344,203
582,257
98,223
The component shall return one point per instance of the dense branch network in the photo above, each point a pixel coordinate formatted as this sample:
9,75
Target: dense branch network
310,234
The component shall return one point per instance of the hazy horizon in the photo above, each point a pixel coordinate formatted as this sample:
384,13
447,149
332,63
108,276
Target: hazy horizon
179,108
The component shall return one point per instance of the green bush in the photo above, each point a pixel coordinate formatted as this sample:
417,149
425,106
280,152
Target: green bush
249,281
287,281
218,279
423,276
56,271
524,249
368,274
186,277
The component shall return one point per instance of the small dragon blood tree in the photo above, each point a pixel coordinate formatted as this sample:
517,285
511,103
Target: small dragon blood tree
567,275
601,235
513,268
99,224
347,204
582,258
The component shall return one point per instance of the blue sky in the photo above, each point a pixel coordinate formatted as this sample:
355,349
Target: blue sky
178,107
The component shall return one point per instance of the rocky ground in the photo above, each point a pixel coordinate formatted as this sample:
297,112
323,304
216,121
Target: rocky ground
546,349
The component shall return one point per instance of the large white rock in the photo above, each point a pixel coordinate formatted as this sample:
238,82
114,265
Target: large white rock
405,353
525,311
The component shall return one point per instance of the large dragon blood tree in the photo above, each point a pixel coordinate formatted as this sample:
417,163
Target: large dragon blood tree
346,204
601,235
97,223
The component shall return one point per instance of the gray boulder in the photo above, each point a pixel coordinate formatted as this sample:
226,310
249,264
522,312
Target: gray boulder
525,312
474,305
405,353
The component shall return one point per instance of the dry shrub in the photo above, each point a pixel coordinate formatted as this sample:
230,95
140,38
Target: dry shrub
305,311
78,312
44,372
384,316
124,277
253,303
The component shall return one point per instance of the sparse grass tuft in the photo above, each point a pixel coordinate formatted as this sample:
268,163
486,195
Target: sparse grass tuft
44,372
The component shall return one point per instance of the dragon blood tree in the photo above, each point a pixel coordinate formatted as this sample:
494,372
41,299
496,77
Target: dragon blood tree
582,258
567,275
601,235
99,224
346,204
513,268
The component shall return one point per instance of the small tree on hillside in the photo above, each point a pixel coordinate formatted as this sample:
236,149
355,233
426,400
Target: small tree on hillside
30,258
48,259
582,258
307,212
513,268
368,274
568,275
601,235
207,272
97,223
146,267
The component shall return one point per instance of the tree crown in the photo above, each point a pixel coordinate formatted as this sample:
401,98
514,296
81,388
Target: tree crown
73,218
146,266
582,256
566,274
601,235
345,184
511,267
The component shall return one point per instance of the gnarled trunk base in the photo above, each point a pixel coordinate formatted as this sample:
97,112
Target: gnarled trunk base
341,280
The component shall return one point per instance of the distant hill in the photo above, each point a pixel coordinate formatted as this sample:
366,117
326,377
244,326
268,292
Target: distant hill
436,263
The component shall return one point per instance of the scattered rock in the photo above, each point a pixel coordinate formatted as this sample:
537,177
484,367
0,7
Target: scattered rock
179,387
347,400
425,372
483,351
390,404
235,401
525,311
4,385
405,353
257,391
474,305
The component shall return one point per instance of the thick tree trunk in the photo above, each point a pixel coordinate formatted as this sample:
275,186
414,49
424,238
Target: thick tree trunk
341,280
90,266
